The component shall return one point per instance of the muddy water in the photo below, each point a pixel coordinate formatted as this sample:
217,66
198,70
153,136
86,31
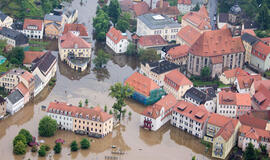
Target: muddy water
167,143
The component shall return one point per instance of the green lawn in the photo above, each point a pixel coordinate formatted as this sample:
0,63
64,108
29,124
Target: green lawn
6,66
198,83
31,48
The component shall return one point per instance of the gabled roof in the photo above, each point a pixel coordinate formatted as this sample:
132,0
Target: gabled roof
95,113
227,131
152,40
3,16
29,56
172,10
164,66
141,8
54,18
44,63
249,31
22,88
254,133
262,93
75,27
189,34
250,38
15,96
266,40
178,78
178,51
200,96
115,35
235,73
27,76
231,98
141,84
217,42
166,102
219,120
252,121
69,40
33,22
262,48
19,37
246,81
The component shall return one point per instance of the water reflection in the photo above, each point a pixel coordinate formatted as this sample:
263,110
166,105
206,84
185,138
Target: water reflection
101,74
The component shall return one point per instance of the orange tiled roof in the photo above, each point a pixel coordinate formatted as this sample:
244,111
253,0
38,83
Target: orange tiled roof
178,78
266,40
217,59
22,88
231,98
200,19
115,35
173,10
261,50
32,22
235,73
69,40
186,2
227,131
94,113
152,40
217,42
252,121
218,120
141,83
154,111
27,76
262,95
178,51
254,133
199,114
246,81
249,31
189,35
75,27
141,8
29,56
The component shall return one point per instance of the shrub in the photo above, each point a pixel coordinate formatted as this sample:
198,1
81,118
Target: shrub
34,149
57,148
18,138
74,146
47,127
85,144
47,148
19,148
27,135
42,151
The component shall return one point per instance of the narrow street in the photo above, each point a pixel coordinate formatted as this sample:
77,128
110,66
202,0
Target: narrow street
212,9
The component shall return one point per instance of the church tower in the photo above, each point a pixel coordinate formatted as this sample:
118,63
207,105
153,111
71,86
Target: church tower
234,20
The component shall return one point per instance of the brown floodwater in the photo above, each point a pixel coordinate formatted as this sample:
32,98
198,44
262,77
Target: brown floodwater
138,144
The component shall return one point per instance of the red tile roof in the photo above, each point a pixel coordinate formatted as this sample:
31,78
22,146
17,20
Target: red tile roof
177,78
217,42
154,111
246,81
254,133
227,131
249,31
262,94
32,22
69,40
27,76
189,35
261,50
252,121
115,35
186,2
231,98
152,40
76,27
178,51
29,56
219,120
173,10
22,88
217,59
266,40
235,73
141,83
199,19
94,113
198,114
141,8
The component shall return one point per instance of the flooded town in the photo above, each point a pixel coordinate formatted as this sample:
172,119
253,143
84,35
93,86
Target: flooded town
134,79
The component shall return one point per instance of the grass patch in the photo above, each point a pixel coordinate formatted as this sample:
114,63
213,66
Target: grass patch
6,66
199,83
31,48
38,42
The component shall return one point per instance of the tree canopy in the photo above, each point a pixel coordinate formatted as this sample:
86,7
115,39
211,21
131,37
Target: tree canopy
101,59
47,127
57,148
114,11
148,55
205,73
85,144
74,146
27,135
16,55
101,24
19,148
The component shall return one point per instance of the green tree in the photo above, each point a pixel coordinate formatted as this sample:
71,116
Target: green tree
249,153
42,151
263,17
148,55
47,147
74,146
114,11
57,148
101,59
105,108
122,25
34,149
47,127
129,114
120,92
196,8
27,135
101,25
85,144
86,101
131,49
3,44
18,138
80,104
193,158
110,112
19,148
16,55
205,73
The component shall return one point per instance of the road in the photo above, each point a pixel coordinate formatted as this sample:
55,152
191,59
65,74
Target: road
212,9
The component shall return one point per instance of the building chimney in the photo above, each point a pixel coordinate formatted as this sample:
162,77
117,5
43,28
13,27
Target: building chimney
161,4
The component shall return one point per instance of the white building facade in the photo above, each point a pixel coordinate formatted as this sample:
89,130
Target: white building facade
117,40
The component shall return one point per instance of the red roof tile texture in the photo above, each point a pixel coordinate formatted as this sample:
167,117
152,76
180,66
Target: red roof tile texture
262,93
141,83
261,50
173,11
246,81
178,51
235,73
115,35
254,133
22,88
141,8
189,35
76,27
29,56
32,22
69,40
227,131
166,102
27,76
94,113
152,40
217,42
231,98
186,2
252,121
177,78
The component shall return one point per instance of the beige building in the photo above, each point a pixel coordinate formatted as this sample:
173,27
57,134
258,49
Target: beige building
248,42
229,76
177,84
93,122
3,107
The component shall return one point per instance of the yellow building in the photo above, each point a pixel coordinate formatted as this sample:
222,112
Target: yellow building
221,131
52,30
75,51
248,42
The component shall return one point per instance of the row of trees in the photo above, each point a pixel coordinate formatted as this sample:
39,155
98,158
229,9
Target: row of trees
85,144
